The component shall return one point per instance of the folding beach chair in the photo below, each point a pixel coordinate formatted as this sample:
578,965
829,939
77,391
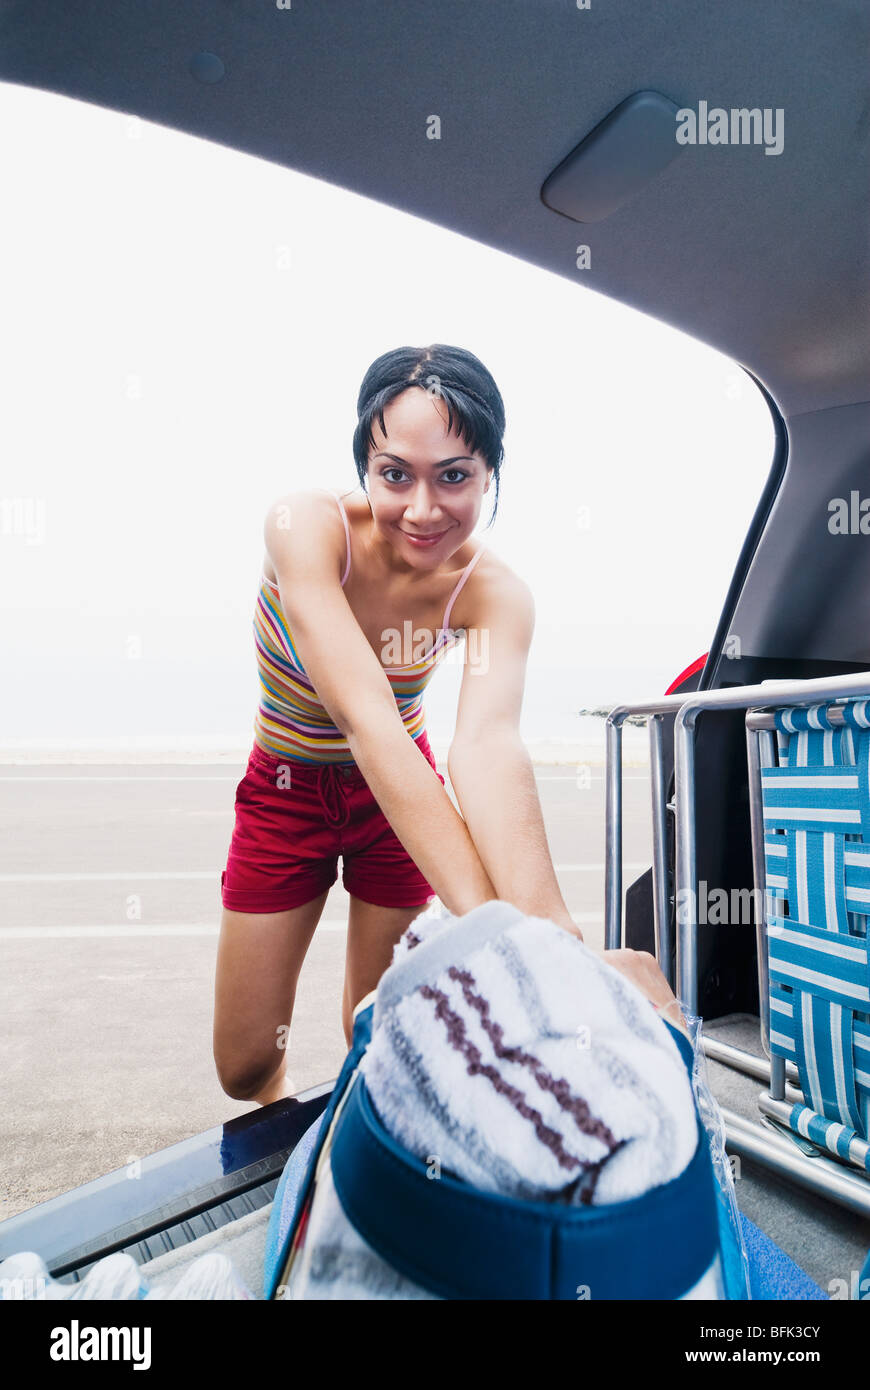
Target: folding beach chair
812,778
808,747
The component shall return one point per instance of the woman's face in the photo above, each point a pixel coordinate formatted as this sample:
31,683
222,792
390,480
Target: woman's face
425,488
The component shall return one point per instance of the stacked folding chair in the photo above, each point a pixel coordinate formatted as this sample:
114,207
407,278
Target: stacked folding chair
808,753
815,795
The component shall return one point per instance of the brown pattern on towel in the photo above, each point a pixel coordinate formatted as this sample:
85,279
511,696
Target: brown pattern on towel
459,1040
575,1106
508,1099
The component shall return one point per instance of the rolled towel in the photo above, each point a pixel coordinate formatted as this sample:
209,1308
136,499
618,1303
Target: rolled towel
508,1052
209,1276
25,1276
118,1277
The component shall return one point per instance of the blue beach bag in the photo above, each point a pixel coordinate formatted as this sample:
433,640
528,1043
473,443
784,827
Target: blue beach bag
448,1239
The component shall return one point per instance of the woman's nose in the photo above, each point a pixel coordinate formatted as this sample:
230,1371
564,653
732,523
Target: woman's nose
423,511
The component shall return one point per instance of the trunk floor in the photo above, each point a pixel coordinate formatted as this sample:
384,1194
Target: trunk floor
827,1241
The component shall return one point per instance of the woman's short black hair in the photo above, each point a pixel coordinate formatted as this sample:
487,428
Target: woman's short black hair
452,373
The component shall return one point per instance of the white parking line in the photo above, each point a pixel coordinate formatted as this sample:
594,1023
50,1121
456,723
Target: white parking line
630,868
175,875
188,929
596,777
77,778
236,777
114,877
130,929
108,929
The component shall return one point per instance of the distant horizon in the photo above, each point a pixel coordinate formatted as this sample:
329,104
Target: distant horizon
587,747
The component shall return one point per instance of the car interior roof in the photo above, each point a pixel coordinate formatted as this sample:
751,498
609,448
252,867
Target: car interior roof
764,257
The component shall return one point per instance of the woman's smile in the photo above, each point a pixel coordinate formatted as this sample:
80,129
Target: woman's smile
425,540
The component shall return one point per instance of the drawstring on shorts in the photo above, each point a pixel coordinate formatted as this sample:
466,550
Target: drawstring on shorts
331,791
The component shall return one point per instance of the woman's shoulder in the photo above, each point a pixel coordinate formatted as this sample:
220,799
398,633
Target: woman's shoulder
309,507
491,584
315,505
311,497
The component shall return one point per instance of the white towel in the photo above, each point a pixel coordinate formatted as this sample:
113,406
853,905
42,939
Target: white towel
506,1051
118,1278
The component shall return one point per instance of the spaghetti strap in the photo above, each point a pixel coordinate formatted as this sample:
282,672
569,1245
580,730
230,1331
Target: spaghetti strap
462,578
347,534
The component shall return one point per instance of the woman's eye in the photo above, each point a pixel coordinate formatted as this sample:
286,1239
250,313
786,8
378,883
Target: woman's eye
462,475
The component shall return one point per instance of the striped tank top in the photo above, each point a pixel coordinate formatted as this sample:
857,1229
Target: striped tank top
291,722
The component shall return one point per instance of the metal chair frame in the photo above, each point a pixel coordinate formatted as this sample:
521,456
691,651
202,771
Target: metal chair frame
778,1151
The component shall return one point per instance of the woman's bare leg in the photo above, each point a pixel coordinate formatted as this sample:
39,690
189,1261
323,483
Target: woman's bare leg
259,958
372,932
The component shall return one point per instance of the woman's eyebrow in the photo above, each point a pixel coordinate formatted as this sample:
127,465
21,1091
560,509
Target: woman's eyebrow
397,459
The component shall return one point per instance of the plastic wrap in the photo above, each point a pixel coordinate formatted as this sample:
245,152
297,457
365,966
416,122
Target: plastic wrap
735,1262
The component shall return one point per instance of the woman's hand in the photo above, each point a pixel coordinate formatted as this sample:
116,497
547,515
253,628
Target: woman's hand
563,918
643,970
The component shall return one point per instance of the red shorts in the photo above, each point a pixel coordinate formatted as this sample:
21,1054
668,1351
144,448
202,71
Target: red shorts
287,839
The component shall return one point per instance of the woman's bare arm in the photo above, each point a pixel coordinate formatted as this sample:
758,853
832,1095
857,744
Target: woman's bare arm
420,812
305,540
490,767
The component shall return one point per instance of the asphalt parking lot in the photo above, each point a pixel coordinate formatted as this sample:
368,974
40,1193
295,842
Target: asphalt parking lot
109,914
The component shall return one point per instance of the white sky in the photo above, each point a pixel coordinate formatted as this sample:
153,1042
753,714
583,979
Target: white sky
185,330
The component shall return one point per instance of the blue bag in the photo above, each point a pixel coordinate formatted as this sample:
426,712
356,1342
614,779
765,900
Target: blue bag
457,1242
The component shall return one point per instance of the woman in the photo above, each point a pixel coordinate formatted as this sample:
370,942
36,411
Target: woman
355,610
